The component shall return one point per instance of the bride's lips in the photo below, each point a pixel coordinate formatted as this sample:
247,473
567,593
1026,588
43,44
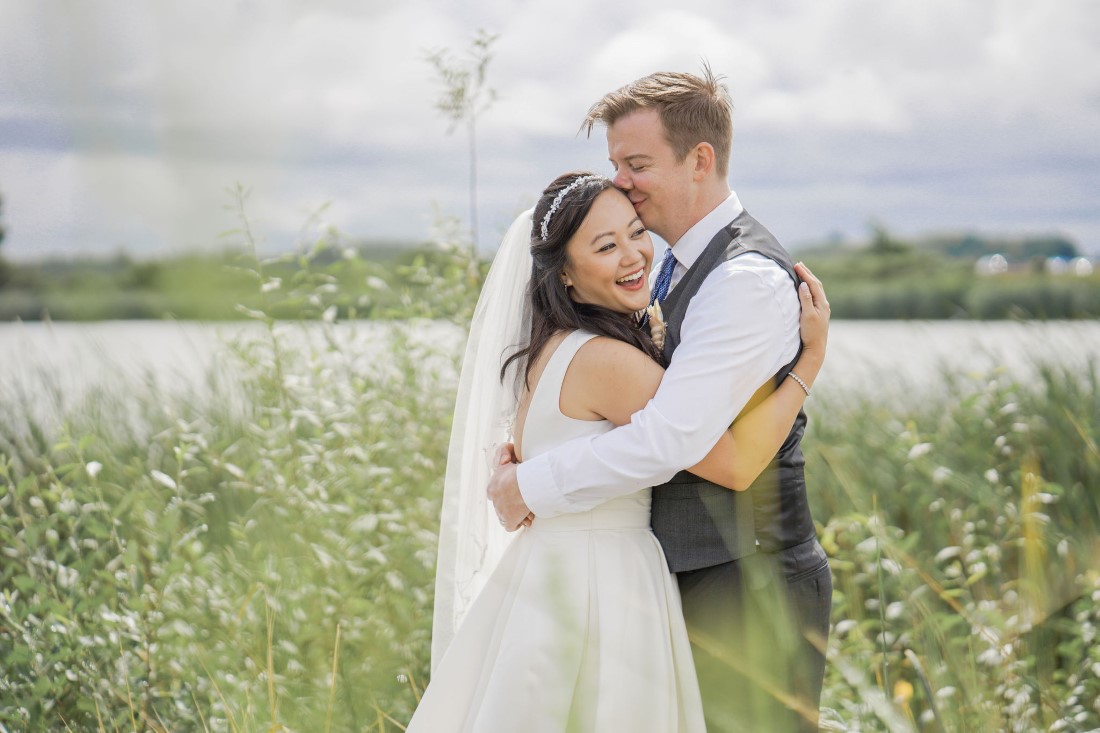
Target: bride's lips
636,283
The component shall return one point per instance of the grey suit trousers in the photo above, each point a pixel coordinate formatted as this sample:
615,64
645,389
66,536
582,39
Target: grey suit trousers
759,627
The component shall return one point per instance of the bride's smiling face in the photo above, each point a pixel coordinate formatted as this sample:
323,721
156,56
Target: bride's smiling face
609,256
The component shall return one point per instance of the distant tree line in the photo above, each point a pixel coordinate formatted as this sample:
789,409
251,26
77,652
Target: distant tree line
972,246
377,281
888,277
934,278
5,268
962,246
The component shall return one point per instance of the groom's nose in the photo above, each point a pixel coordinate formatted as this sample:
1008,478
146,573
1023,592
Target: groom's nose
622,179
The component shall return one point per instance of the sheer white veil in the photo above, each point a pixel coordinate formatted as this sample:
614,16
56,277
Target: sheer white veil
471,539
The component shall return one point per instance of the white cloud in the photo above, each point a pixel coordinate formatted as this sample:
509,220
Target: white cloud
123,125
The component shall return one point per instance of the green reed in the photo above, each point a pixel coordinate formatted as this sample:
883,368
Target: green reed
984,502
259,555
196,567
255,556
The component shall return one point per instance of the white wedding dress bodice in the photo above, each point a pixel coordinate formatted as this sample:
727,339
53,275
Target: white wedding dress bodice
579,628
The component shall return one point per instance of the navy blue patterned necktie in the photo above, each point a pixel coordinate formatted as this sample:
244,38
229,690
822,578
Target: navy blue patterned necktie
664,278
661,285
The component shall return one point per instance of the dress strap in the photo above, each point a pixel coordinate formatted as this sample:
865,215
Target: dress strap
548,390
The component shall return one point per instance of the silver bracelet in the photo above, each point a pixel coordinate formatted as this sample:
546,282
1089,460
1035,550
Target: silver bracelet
801,384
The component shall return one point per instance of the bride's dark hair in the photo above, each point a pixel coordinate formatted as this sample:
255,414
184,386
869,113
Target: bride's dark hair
552,309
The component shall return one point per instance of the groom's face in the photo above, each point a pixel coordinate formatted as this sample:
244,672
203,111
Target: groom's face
657,183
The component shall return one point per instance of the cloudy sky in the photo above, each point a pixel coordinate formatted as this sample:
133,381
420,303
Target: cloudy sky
123,123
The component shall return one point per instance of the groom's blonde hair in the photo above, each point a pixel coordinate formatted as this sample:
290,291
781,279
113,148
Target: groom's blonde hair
693,109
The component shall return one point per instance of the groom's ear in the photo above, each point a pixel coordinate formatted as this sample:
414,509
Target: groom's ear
703,156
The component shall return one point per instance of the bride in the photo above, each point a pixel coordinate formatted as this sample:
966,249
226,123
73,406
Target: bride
573,623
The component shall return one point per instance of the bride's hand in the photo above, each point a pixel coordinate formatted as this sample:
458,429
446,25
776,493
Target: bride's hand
814,322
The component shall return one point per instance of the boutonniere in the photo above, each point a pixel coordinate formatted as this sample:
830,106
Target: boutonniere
656,325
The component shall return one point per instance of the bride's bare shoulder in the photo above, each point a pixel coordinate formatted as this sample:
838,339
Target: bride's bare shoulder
604,351
609,378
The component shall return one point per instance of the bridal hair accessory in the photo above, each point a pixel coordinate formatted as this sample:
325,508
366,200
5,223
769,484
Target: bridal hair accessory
558,199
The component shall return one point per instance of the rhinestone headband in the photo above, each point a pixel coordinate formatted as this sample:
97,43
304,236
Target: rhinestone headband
558,199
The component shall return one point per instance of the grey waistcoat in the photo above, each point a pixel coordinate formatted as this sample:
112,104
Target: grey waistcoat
698,523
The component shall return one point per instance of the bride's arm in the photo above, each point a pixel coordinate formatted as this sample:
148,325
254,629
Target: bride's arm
616,380
756,435
629,379
751,443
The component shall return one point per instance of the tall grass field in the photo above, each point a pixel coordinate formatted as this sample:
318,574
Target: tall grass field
259,556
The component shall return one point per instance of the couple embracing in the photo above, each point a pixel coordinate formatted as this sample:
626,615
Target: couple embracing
666,574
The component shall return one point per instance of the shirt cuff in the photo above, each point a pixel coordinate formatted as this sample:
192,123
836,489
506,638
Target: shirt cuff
537,487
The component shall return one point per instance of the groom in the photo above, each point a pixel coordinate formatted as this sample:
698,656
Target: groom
755,583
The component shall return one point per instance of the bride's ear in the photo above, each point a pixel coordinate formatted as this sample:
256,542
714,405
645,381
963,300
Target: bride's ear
565,280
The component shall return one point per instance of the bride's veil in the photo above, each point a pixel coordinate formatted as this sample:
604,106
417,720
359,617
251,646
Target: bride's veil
471,539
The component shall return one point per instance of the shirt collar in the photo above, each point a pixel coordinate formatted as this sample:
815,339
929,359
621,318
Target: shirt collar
688,248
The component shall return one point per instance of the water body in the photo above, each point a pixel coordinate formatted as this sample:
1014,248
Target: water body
868,357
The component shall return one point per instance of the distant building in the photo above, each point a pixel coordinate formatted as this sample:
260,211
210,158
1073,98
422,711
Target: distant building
1057,265
1079,266
994,264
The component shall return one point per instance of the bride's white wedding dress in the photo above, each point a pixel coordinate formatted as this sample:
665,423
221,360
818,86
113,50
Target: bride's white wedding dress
579,627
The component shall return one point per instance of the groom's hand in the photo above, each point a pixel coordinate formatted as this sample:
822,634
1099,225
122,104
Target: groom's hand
506,453
504,493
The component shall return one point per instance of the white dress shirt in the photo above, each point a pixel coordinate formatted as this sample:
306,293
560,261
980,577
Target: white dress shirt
739,330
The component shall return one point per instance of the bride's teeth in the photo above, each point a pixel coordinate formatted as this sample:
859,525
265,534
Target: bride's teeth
630,278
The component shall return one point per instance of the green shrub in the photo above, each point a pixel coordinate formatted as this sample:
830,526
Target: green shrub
963,536
259,556
192,562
